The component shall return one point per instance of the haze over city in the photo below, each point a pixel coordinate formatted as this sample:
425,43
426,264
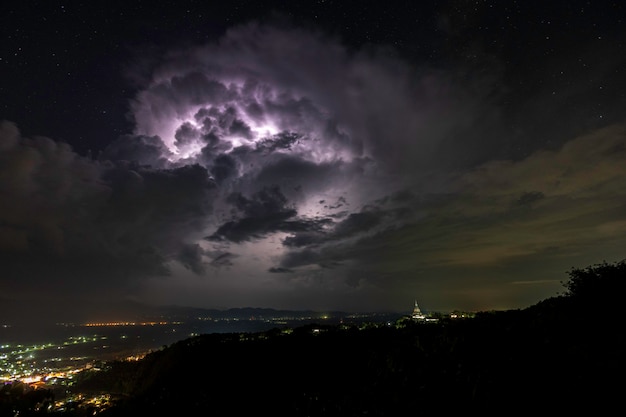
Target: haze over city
307,155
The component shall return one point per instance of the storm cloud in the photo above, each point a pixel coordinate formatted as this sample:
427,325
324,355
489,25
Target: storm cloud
95,223
276,160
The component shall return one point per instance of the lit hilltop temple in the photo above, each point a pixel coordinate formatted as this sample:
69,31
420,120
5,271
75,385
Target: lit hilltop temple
417,313
417,316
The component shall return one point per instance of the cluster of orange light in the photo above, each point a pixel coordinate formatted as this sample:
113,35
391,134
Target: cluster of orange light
135,358
126,323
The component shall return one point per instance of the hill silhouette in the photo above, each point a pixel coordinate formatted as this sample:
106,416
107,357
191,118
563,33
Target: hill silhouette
564,354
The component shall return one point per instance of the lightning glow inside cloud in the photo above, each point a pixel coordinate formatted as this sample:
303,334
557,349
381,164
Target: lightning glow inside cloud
298,134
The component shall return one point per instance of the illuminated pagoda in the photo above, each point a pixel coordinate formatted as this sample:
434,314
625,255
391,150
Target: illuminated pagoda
417,313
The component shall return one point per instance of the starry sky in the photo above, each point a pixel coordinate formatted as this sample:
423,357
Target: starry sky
325,155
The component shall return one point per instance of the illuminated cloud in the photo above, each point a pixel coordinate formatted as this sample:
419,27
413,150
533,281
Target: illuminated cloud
301,135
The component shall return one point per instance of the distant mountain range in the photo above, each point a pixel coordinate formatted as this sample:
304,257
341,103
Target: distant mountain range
175,311
87,311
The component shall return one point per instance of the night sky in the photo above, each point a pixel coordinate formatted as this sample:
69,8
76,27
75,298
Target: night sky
326,155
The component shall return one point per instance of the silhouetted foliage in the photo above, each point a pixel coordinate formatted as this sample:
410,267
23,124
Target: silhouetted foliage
18,398
604,282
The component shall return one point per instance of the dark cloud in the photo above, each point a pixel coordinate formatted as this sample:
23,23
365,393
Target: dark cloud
143,150
359,237
282,140
306,256
222,259
191,256
357,223
530,197
94,224
263,213
265,203
279,270
224,167
303,239
371,221
292,172
304,225
341,201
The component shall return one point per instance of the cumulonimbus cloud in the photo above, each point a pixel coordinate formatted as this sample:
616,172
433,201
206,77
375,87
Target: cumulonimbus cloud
269,133
292,110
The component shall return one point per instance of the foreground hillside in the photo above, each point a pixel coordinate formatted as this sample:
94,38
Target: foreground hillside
562,355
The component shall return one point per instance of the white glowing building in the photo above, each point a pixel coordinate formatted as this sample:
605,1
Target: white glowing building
417,313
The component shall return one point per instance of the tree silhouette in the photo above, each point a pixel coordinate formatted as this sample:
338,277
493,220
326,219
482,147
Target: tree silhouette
599,283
